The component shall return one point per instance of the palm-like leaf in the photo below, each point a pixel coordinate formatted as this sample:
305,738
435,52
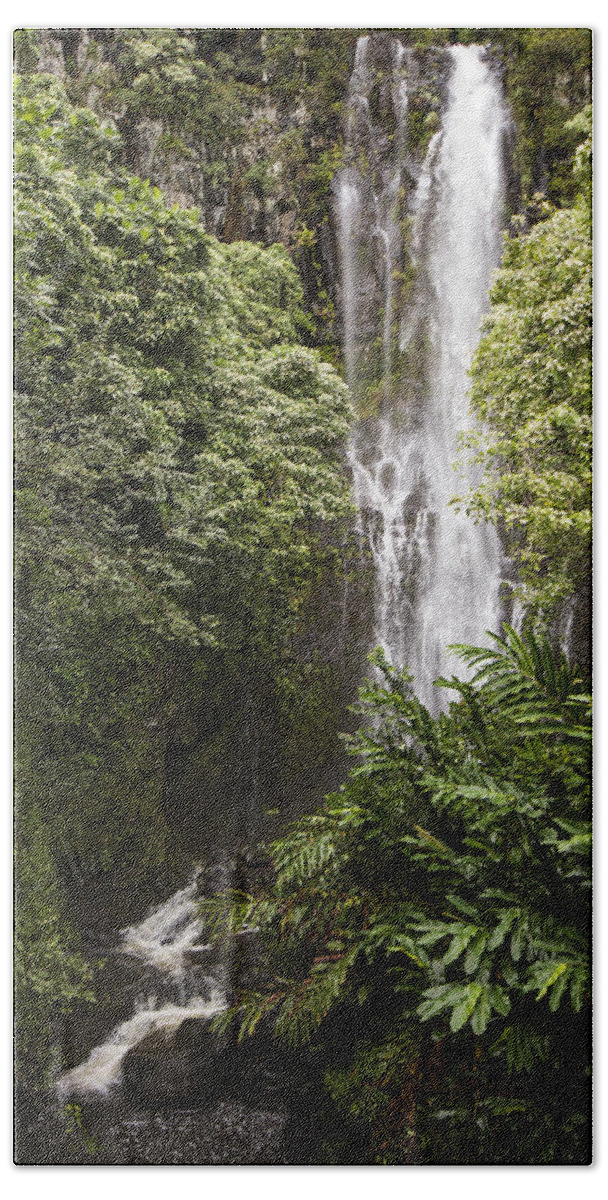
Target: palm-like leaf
531,684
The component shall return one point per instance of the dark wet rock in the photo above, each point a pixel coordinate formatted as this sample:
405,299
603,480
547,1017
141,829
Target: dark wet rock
194,1063
227,1133
198,954
191,1062
215,878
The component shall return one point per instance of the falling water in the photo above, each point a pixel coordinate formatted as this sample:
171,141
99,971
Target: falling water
437,573
169,941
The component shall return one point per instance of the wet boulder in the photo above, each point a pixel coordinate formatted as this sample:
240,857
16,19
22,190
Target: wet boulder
184,1064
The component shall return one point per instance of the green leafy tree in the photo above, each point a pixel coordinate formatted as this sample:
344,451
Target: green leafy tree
547,76
178,464
430,924
532,387
51,973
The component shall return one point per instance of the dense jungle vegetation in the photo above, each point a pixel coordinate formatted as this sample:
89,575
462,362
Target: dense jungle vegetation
184,543
178,456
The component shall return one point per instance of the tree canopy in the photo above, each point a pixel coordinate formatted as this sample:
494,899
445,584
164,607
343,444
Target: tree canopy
532,388
178,457
438,907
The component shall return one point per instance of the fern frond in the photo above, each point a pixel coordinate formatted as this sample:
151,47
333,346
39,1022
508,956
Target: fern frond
522,1048
530,683
300,858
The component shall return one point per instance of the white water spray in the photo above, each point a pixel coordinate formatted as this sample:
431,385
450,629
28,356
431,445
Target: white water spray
169,941
437,574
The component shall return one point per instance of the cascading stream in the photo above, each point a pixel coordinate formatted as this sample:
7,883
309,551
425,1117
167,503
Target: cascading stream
169,942
437,574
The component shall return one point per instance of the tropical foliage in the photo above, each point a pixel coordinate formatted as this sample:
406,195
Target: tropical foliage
246,123
444,892
184,574
532,388
178,458
548,81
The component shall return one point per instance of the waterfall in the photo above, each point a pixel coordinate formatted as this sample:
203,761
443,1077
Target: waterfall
174,963
418,238
433,230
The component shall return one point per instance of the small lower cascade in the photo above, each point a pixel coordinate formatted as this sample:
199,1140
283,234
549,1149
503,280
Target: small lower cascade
168,945
418,241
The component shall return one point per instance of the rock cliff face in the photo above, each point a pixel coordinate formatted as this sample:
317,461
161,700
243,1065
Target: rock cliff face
250,126
93,66
201,116
247,126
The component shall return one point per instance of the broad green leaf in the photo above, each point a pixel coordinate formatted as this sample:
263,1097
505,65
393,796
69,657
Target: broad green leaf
462,1011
